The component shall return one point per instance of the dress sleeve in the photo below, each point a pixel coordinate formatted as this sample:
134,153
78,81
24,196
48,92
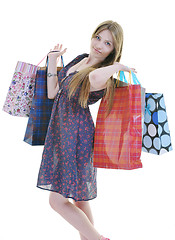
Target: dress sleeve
95,96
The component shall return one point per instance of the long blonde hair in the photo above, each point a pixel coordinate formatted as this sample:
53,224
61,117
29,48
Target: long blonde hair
82,77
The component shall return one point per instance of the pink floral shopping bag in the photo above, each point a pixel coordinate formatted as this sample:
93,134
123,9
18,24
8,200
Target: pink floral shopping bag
19,97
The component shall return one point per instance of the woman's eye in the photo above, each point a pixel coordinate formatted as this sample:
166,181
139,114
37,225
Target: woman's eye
108,44
97,37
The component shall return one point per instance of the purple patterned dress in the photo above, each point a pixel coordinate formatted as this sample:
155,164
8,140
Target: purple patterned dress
67,161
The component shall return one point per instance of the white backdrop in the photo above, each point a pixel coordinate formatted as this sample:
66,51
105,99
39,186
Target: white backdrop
135,205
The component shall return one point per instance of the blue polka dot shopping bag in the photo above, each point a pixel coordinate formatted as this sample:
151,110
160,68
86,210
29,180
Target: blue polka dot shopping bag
156,134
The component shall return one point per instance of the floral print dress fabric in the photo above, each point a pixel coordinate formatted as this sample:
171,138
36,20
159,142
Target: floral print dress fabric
67,161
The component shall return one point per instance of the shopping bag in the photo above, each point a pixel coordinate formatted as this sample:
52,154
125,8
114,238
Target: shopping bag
156,134
118,137
122,81
40,110
19,97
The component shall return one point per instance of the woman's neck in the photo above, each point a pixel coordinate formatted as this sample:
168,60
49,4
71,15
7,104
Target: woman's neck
91,60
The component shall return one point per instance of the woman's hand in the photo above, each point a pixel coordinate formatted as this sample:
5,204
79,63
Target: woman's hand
122,67
56,52
52,80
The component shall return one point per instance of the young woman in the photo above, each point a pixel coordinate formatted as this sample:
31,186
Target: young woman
67,165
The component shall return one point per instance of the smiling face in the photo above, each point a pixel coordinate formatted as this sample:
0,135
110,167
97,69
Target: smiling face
102,45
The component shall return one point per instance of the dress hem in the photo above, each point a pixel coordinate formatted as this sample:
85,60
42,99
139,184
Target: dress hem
66,196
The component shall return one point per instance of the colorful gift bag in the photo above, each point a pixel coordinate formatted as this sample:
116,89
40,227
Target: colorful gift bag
156,134
118,137
19,97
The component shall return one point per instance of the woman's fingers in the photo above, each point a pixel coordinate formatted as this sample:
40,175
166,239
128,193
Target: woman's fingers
58,47
57,50
133,69
63,51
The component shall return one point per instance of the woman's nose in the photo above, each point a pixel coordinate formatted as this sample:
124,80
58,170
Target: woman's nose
99,46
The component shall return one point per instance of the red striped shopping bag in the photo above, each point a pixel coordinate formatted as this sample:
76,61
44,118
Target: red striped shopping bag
118,137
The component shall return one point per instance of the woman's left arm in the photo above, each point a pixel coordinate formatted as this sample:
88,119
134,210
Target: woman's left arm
100,76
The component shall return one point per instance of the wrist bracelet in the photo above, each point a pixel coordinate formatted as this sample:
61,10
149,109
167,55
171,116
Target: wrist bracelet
52,75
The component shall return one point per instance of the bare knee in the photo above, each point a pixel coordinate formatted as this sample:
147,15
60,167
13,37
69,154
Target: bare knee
81,204
57,201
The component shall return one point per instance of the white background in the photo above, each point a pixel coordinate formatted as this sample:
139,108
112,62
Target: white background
135,205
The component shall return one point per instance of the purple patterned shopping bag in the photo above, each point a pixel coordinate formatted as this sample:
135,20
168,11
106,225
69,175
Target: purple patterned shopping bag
19,97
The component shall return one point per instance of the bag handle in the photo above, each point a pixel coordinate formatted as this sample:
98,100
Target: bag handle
122,78
62,62
47,60
134,78
41,60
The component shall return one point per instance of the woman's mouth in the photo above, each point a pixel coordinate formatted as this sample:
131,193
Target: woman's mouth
96,50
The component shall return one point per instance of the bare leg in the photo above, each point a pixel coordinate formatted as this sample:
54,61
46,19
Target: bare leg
74,215
85,207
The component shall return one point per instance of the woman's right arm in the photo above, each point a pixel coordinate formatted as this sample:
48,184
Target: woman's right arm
52,78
